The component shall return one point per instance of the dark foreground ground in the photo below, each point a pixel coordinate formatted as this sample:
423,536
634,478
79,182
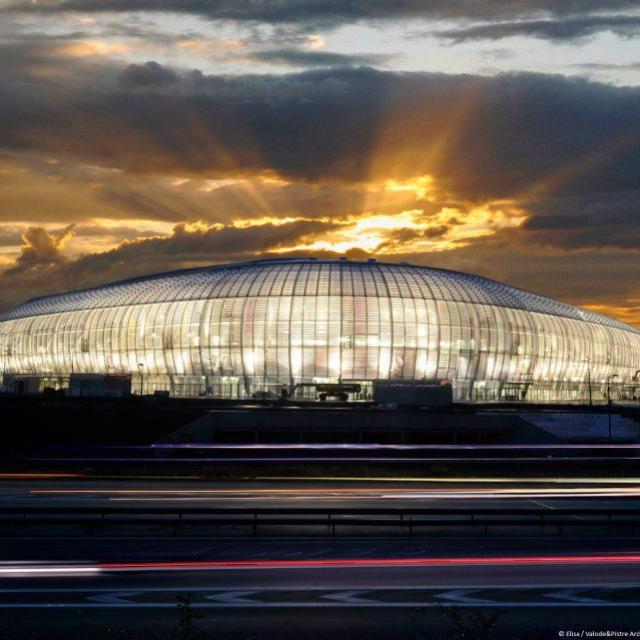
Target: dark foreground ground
331,622
339,624
58,583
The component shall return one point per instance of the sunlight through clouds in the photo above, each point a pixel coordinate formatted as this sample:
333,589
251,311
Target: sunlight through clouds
413,231
472,136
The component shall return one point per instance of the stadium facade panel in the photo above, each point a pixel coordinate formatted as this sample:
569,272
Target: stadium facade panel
248,329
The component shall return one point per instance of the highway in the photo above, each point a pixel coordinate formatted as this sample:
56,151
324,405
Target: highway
310,600
288,585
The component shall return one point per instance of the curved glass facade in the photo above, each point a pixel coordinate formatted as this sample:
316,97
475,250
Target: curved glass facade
239,330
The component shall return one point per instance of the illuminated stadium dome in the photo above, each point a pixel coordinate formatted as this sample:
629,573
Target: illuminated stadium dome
247,330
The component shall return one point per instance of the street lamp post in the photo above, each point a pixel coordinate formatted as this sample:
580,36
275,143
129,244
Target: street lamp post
140,369
609,379
589,381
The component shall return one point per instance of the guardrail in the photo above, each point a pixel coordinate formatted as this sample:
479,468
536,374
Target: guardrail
406,519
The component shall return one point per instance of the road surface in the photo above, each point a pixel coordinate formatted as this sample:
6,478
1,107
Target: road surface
286,586
563,592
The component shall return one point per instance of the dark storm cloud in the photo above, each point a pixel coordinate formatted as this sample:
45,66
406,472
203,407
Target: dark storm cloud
309,58
40,249
150,73
575,210
330,11
200,244
496,136
551,143
566,29
590,220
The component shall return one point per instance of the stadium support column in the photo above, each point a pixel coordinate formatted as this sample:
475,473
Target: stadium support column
141,369
609,379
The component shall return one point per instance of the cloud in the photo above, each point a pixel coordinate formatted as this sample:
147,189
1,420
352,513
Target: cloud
586,221
40,190
10,235
608,66
186,242
328,12
148,74
310,58
154,139
481,137
42,267
565,29
40,248
497,54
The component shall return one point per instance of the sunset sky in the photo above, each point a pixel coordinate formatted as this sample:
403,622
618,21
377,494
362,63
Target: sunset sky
498,137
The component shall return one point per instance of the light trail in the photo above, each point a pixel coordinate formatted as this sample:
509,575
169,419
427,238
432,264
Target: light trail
253,459
32,570
359,480
345,493
453,479
434,496
35,570
623,558
40,476
358,491
376,446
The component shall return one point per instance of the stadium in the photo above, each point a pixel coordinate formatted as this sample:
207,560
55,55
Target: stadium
249,330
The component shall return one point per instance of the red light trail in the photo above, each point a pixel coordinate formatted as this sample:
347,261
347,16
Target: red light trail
374,562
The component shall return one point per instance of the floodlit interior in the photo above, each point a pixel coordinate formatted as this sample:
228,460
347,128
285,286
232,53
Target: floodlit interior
249,329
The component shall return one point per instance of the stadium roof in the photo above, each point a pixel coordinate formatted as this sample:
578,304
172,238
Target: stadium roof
306,276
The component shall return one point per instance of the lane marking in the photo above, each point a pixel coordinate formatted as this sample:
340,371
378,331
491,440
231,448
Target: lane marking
542,504
350,597
234,597
571,596
461,596
115,598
